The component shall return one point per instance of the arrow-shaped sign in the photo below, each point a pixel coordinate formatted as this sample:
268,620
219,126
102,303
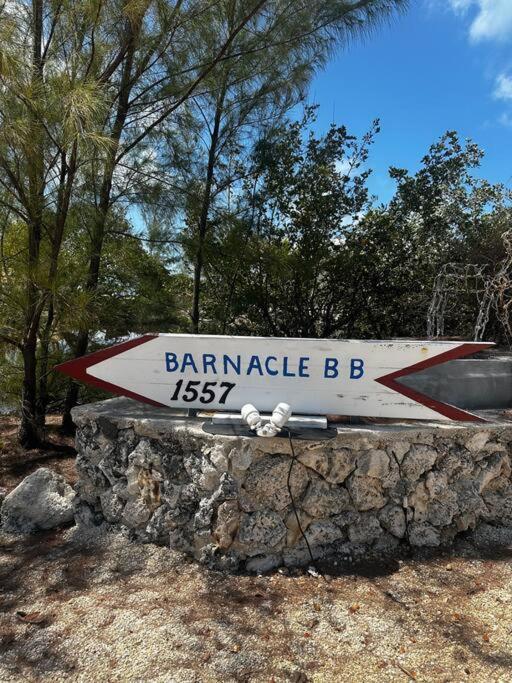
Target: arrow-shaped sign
315,376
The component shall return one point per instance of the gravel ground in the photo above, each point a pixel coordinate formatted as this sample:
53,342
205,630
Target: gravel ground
76,607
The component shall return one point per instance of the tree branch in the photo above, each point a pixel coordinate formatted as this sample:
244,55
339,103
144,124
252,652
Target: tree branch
188,92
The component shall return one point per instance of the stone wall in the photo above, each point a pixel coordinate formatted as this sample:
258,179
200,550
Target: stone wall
226,500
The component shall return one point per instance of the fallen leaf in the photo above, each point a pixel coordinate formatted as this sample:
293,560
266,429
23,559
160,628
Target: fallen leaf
31,618
407,672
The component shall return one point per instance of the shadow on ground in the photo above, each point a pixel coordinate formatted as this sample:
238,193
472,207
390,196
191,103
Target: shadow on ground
113,610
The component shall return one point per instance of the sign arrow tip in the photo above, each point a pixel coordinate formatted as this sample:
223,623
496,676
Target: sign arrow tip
77,368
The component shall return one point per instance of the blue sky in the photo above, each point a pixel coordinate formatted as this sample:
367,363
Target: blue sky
445,64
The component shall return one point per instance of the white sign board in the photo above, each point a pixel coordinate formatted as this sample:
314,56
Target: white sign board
315,376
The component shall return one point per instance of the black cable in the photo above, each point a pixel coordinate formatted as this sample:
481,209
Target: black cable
401,479
294,508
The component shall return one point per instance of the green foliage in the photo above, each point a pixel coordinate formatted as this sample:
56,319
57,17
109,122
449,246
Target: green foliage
310,258
99,109
175,112
308,194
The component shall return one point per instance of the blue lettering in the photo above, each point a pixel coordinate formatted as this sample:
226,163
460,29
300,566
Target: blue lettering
209,362
285,368
303,366
188,359
254,364
171,364
267,367
331,367
236,367
356,368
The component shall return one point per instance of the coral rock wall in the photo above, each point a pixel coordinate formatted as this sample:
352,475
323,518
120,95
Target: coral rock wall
226,500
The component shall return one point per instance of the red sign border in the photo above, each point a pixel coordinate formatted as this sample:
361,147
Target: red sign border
452,412
77,369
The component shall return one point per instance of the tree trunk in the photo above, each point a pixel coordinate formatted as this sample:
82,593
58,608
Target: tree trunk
198,270
67,176
73,390
98,231
202,227
44,354
29,434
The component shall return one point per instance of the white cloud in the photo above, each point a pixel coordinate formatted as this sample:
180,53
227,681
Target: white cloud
493,20
344,166
505,120
461,5
490,20
503,88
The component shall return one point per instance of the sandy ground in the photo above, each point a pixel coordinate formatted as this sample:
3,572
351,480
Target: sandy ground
94,608
76,607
